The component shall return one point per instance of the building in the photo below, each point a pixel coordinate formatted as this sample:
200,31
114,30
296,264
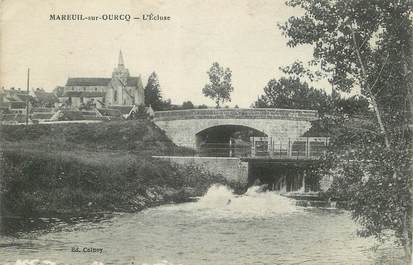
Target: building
13,105
44,99
90,92
13,101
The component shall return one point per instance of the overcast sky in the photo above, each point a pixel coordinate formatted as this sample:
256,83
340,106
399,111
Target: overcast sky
239,34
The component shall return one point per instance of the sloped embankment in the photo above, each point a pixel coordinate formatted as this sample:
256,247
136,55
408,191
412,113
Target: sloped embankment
76,169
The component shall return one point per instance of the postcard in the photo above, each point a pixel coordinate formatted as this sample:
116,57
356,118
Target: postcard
218,132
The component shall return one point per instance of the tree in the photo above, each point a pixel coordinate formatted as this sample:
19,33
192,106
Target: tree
153,95
367,45
219,87
352,106
359,43
203,106
187,105
166,104
291,93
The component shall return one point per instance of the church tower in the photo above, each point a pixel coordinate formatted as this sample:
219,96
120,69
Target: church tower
120,76
120,72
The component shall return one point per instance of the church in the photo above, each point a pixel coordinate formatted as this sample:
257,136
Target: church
101,92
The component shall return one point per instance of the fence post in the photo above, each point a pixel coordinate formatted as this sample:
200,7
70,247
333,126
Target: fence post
289,151
280,148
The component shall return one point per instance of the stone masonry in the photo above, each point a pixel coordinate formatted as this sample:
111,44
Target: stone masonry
183,126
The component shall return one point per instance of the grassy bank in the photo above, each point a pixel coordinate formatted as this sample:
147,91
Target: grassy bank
138,136
76,169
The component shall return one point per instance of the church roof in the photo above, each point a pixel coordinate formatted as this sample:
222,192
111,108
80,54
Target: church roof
87,81
85,94
98,81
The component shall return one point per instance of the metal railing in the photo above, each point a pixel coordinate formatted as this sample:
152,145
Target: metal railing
224,150
296,148
265,147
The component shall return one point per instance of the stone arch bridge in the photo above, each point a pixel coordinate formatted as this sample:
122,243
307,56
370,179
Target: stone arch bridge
185,127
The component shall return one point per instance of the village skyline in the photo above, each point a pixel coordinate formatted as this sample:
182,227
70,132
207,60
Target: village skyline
180,51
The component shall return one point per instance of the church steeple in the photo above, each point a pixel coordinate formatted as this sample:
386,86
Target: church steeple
120,73
120,60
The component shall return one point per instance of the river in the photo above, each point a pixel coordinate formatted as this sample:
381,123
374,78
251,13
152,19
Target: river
219,229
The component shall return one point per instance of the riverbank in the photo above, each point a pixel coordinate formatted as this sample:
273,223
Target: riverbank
82,169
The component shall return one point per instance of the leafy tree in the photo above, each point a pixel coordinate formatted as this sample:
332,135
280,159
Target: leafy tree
359,43
352,106
203,106
166,105
187,105
219,87
367,45
153,92
291,93
153,95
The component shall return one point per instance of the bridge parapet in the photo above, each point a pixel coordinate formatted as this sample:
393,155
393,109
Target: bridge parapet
275,114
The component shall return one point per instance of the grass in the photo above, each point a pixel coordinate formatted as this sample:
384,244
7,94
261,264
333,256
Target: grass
84,168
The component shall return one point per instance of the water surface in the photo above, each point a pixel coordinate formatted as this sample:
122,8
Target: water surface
219,229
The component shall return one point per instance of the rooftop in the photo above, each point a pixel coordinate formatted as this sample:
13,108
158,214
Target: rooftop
98,81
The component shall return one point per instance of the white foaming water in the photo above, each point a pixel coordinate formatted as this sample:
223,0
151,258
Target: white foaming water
221,202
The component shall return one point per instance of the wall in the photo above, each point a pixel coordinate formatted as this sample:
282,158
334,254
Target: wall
182,126
271,113
183,132
231,168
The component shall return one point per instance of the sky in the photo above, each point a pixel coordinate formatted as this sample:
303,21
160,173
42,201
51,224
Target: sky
239,34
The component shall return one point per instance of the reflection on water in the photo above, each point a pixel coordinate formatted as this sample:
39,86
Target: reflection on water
22,226
220,228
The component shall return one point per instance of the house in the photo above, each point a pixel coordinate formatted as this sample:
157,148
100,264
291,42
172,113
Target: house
14,100
44,99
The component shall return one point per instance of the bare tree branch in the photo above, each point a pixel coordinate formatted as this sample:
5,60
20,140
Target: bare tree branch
372,97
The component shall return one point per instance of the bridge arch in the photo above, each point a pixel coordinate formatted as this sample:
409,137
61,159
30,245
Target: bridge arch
225,139
183,126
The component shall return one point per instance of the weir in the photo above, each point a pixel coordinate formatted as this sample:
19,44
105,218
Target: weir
247,146
231,168
282,164
284,175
